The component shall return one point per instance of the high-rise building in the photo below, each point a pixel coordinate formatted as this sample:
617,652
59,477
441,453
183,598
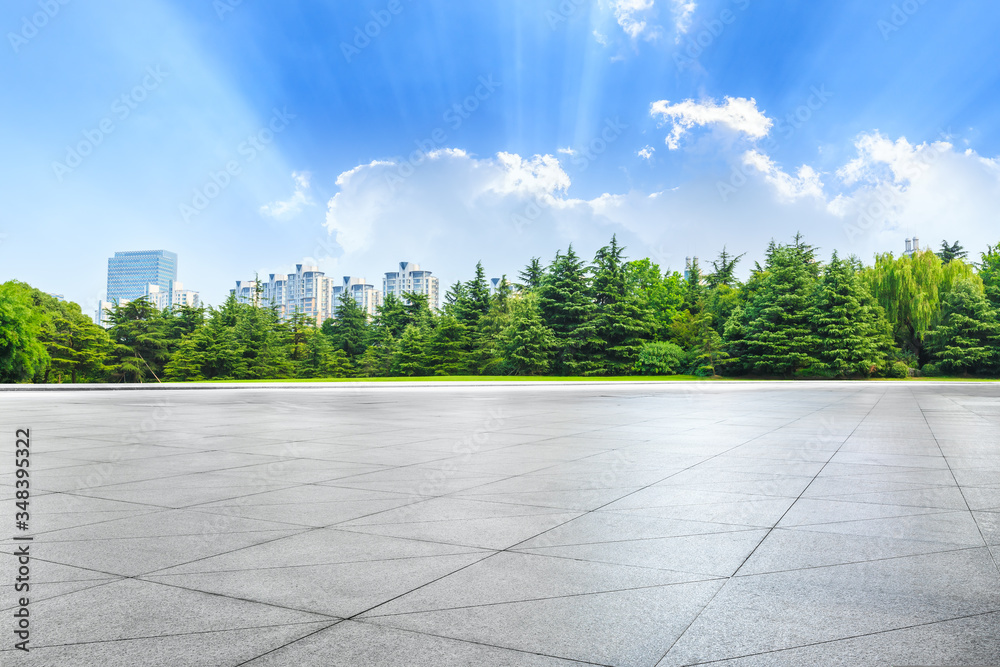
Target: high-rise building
307,291
411,278
367,296
130,272
176,297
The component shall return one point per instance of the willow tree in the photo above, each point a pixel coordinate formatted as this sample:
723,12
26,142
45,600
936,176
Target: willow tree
911,288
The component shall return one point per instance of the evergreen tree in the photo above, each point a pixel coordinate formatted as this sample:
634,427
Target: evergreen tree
852,333
140,346
526,343
710,353
779,339
967,338
348,330
620,322
951,252
410,358
724,270
532,275
568,309
447,348
323,360
77,348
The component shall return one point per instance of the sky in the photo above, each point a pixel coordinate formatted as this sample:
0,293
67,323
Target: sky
249,137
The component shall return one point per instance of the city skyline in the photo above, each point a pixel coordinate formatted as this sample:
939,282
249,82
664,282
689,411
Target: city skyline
493,132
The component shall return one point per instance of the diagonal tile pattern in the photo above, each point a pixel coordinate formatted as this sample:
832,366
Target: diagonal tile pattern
641,524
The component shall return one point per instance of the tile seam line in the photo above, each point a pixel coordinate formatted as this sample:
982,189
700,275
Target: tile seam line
961,491
690,467
818,473
840,639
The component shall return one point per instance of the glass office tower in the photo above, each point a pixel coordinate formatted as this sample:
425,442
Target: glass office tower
130,272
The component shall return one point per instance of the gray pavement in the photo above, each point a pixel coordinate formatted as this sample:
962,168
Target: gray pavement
736,524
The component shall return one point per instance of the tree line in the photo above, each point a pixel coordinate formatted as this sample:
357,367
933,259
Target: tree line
795,316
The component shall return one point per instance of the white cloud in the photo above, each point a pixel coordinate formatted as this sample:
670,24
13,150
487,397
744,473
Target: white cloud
806,183
601,38
635,16
455,209
683,11
292,205
646,153
737,114
638,18
566,151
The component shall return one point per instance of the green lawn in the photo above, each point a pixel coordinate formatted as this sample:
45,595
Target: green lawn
626,378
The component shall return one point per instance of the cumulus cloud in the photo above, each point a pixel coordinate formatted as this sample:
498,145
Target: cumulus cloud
289,207
646,153
736,113
806,183
454,209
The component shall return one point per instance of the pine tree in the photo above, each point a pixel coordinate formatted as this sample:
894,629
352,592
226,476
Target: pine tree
724,272
348,330
526,343
779,339
852,333
967,338
410,358
568,309
532,275
446,350
620,322
952,251
710,352
140,347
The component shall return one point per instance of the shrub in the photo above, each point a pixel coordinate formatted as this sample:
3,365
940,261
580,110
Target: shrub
661,359
931,371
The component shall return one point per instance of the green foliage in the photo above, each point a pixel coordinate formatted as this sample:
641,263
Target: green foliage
851,330
951,252
659,358
139,342
989,273
777,329
621,322
568,308
22,355
525,342
967,337
793,317
348,330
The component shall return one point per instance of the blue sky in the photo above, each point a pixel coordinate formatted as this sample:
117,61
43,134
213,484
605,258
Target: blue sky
249,136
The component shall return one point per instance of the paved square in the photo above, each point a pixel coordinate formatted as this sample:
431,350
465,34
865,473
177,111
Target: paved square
736,524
